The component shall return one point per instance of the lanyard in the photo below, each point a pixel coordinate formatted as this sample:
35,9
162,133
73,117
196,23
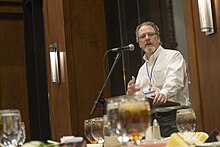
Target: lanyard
149,74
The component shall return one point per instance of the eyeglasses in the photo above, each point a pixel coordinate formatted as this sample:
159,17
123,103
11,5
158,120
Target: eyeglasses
150,35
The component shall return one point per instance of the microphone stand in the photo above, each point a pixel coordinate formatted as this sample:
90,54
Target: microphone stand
99,99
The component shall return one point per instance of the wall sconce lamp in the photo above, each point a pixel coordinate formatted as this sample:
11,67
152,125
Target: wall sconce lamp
205,14
54,63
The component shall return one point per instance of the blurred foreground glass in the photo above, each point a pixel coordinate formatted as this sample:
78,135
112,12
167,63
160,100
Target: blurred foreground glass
9,127
97,129
113,117
111,140
134,117
186,120
106,126
88,131
22,133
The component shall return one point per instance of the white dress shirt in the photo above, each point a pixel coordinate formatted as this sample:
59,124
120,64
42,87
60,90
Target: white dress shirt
166,74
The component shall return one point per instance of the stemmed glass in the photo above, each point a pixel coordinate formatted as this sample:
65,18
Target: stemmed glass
186,120
134,117
97,129
88,131
9,127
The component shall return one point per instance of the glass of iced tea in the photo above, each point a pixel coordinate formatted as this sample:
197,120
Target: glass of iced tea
186,120
134,117
88,132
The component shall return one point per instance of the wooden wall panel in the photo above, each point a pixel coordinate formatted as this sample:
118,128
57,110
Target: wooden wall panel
79,31
193,64
209,69
11,0
13,86
11,6
88,48
58,94
13,91
207,54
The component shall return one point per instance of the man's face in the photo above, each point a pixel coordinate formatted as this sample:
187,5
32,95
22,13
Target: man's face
148,40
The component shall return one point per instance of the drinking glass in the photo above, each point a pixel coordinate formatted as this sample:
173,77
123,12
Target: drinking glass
134,117
97,129
110,139
186,120
113,117
106,127
22,134
88,132
9,127
112,113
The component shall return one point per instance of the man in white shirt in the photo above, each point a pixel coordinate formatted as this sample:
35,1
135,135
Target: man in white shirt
163,75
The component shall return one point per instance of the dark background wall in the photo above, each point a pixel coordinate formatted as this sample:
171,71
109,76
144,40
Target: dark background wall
36,71
122,17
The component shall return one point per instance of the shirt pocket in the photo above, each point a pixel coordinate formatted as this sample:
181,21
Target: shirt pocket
159,77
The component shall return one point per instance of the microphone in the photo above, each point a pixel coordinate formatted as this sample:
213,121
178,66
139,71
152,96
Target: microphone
129,47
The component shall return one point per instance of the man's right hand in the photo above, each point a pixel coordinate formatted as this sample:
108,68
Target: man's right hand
132,88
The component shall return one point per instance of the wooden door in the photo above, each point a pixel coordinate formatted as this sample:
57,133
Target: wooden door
204,66
79,31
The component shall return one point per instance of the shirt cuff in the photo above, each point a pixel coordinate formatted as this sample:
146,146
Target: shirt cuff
165,92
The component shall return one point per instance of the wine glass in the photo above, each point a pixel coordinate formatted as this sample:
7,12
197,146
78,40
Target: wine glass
9,127
88,132
186,120
97,129
134,117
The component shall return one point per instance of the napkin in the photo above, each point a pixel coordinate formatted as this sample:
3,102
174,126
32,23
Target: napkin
69,139
187,139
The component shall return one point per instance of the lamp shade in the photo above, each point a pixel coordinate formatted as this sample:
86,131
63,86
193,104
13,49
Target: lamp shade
205,15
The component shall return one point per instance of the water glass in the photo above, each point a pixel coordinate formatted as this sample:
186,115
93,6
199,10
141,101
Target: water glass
106,126
9,127
22,134
111,139
88,131
112,113
113,118
186,120
97,129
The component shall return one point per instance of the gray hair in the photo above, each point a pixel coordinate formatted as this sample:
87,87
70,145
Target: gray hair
148,23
